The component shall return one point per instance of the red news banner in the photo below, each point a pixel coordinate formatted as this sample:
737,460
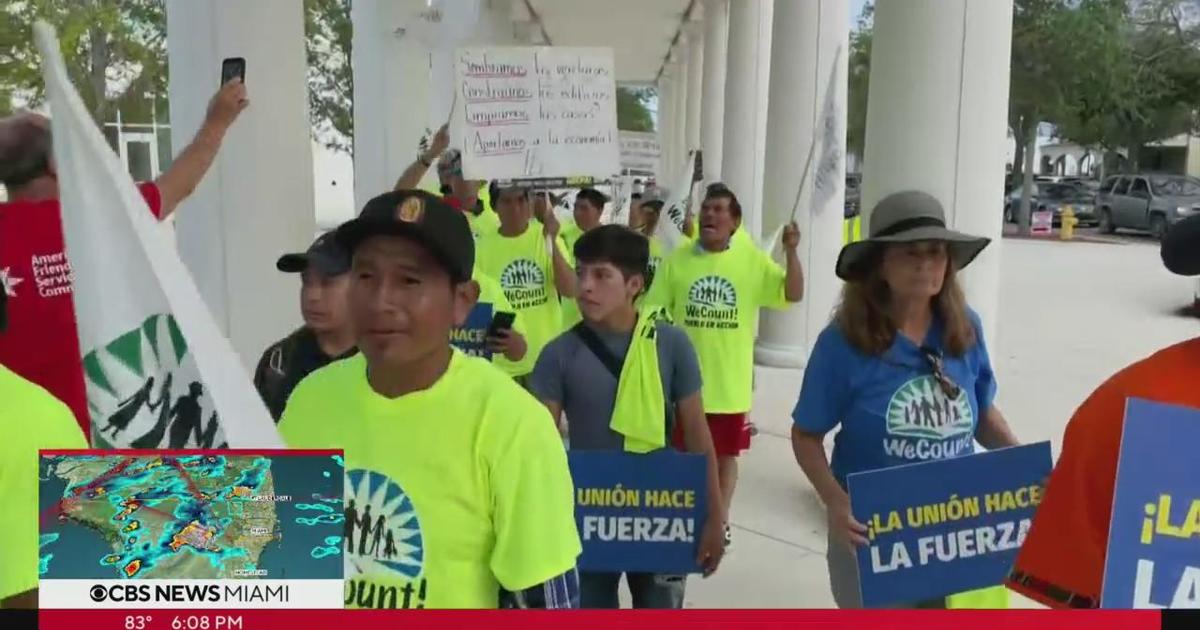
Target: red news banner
600,620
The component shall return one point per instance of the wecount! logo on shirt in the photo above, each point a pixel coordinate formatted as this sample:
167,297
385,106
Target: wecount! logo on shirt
923,423
712,303
383,542
524,284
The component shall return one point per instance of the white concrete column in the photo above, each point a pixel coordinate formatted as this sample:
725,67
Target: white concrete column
937,119
808,54
695,85
257,200
391,92
665,127
681,107
746,79
712,105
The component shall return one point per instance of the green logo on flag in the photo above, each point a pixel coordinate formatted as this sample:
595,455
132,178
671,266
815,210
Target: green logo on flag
144,391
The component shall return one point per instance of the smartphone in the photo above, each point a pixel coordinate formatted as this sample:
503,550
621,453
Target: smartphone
233,67
501,321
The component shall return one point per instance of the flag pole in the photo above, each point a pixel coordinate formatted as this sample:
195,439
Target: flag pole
812,149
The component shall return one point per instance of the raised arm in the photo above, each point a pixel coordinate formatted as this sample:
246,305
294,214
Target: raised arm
190,166
411,177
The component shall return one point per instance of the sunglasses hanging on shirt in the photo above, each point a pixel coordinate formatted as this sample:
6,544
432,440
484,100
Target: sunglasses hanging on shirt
934,362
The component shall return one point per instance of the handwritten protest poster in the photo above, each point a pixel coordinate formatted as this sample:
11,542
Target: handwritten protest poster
640,152
944,527
537,112
642,513
1153,558
471,337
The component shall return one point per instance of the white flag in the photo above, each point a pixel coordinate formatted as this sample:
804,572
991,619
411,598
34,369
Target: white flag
159,372
829,174
670,223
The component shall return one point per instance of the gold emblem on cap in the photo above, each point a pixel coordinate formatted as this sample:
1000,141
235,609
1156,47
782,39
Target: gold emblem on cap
410,210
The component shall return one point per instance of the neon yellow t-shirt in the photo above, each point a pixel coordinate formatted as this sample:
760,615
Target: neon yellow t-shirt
570,234
716,298
468,479
30,419
490,292
483,223
525,269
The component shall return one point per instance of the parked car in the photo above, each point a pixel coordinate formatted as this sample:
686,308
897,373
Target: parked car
1054,197
1083,182
1147,202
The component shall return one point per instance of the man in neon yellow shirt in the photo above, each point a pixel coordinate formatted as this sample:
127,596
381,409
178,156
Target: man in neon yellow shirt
458,493
30,419
714,289
589,205
533,273
644,217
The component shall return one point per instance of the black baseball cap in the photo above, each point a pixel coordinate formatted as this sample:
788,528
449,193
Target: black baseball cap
422,217
325,256
1180,249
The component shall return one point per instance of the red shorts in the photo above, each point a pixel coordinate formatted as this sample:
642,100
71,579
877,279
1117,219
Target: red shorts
730,433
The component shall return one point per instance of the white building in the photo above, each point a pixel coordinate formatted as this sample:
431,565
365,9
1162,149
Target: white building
746,81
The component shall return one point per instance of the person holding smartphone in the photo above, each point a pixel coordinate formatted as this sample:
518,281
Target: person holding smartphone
47,349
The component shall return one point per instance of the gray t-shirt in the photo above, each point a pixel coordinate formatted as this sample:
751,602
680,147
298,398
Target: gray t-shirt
567,372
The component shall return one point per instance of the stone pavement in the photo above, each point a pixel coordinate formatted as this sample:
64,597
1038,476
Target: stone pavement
1070,316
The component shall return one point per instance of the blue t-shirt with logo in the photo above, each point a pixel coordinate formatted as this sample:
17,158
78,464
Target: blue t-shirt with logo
891,409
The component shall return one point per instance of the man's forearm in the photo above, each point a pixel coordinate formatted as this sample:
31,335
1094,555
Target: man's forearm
794,287
411,177
189,167
564,275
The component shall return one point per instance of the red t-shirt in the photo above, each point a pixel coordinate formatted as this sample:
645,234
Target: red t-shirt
42,342
1061,563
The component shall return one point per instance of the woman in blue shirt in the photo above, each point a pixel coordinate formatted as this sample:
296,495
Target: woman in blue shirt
903,369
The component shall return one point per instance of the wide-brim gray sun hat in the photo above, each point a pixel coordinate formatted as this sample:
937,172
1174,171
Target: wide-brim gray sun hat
908,217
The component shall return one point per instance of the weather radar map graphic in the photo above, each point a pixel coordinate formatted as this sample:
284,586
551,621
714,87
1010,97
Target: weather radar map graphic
194,516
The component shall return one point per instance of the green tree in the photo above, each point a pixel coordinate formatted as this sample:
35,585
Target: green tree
1140,81
858,76
115,52
328,42
632,113
1057,46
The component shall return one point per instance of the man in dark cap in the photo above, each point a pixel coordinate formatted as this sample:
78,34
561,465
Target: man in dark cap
326,335
1062,561
449,456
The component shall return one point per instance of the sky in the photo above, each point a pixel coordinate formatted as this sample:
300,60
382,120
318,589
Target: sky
856,7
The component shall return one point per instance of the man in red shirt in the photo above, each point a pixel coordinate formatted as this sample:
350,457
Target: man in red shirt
34,270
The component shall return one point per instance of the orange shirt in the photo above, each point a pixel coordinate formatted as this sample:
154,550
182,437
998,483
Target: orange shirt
1064,553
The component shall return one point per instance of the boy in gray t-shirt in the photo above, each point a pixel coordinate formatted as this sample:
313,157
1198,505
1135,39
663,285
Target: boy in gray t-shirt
570,378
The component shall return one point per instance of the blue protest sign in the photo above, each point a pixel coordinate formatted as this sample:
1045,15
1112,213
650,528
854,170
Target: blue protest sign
471,336
641,513
1153,558
948,526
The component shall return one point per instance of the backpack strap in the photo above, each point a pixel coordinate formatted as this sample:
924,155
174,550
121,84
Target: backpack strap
601,351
